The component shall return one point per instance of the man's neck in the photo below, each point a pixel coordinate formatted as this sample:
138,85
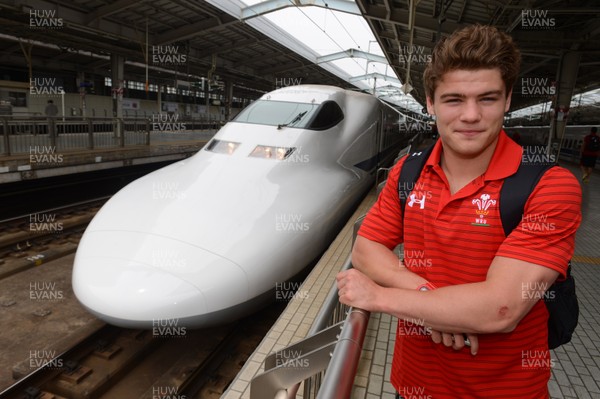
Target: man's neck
460,171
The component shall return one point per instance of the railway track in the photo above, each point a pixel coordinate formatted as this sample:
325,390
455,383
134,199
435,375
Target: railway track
31,240
167,361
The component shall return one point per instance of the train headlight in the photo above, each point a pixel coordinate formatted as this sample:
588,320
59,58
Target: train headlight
270,152
222,147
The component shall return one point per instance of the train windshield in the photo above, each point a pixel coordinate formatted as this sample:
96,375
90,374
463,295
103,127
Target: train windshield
278,113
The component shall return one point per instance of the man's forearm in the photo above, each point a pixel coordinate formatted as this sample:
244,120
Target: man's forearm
467,308
383,266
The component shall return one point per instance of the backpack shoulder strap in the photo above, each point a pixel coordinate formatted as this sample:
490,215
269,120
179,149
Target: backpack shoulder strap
411,170
515,192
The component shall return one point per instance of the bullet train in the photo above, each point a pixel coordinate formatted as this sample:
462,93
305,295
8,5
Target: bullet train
205,240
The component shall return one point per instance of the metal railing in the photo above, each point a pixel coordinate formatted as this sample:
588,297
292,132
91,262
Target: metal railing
332,344
32,134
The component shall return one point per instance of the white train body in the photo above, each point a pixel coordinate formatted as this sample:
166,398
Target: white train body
203,240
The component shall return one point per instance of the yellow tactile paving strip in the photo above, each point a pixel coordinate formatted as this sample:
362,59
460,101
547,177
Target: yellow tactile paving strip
586,259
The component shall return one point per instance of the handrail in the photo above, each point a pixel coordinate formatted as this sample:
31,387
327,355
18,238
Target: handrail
322,319
339,377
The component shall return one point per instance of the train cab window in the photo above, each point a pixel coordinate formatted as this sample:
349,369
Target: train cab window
277,113
327,116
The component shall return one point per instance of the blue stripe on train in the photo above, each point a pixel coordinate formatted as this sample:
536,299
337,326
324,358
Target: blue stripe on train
371,163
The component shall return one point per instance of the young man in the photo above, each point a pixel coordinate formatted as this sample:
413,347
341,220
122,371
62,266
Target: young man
590,150
460,275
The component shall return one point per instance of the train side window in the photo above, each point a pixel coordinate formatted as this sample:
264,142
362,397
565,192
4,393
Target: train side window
328,115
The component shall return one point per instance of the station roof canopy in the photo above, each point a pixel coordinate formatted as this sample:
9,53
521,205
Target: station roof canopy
80,35
237,41
543,29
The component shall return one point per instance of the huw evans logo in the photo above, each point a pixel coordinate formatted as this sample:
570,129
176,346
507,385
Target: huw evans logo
412,392
45,222
536,359
415,126
291,359
537,19
166,392
167,123
45,290
537,291
45,87
288,291
44,358
537,155
537,87
168,260
44,155
418,188
168,55
290,222
416,259
415,328
167,191
536,222
297,156
285,82
413,54
167,328
45,19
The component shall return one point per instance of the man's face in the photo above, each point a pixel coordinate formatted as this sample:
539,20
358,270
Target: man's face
469,106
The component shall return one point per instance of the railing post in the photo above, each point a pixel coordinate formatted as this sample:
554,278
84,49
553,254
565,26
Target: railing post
90,134
147,131
6,137
121,129
52,131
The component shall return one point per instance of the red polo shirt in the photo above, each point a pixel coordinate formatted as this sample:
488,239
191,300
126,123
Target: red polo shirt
452,239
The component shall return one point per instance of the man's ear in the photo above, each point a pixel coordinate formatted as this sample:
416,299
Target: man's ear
430,109
508,97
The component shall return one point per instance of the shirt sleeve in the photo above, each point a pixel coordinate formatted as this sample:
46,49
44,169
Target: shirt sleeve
383,223
546,234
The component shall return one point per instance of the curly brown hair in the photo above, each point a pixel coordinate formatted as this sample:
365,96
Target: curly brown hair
473,47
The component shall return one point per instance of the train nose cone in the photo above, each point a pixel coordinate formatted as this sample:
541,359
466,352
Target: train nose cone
134,279
133,295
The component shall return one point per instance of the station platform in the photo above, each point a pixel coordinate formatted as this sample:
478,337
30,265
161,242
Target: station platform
576,370
36,158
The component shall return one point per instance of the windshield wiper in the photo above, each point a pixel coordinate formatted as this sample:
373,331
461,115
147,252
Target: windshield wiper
296,119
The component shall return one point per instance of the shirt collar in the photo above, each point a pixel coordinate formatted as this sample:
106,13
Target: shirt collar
505,161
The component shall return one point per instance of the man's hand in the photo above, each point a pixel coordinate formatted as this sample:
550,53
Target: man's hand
456,341
357,290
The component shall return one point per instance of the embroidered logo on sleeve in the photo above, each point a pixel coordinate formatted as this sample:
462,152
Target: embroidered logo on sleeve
483,204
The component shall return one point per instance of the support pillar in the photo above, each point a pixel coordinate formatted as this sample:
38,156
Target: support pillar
117,63
228,99
566,78
82,92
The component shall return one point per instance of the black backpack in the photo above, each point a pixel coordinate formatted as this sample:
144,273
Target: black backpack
560,298
594,144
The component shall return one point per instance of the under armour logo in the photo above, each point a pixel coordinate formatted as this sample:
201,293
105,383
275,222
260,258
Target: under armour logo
416,154
414,200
